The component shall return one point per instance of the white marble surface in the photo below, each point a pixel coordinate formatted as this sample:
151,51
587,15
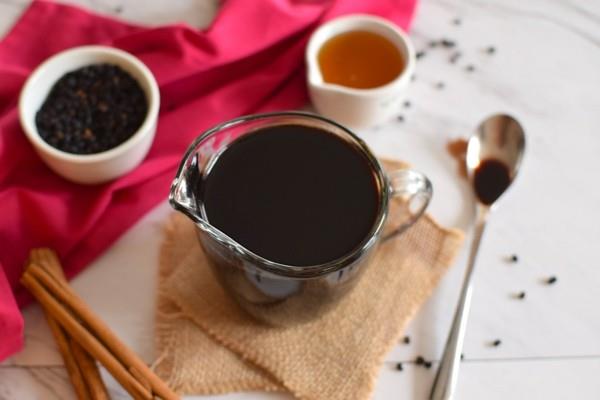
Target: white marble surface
545,72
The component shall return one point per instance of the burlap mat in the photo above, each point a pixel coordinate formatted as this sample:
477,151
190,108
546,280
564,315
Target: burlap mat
207,345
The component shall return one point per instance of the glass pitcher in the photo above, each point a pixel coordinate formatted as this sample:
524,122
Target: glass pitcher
272,292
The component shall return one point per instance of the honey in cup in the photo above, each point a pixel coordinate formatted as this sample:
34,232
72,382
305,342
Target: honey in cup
360,59
358,69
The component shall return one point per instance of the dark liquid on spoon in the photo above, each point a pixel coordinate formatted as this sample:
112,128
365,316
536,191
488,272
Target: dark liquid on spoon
293,194
491,179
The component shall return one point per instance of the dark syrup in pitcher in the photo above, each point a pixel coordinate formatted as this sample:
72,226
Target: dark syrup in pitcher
293,194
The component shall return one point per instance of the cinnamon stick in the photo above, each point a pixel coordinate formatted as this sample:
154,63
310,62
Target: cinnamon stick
89,369
129,360
71,364
88,341
83,370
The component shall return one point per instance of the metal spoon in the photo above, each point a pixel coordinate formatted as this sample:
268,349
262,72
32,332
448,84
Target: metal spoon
498,138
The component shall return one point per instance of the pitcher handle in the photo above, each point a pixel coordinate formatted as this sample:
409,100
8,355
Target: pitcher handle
415,190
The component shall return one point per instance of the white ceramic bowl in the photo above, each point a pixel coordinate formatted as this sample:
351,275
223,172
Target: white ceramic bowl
98,167
352,107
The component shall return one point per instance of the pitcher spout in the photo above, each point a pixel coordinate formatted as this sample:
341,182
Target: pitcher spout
182,195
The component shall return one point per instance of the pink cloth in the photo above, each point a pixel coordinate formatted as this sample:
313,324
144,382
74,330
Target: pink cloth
249,60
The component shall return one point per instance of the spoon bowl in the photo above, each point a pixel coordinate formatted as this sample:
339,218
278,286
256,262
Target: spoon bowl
500,138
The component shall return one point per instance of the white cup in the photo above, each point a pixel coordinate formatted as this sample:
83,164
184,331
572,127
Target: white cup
98,167
358,108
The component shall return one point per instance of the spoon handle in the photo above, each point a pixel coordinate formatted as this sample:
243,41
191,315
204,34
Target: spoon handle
447,374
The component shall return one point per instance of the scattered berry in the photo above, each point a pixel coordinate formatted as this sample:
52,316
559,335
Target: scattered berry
455,56
447,43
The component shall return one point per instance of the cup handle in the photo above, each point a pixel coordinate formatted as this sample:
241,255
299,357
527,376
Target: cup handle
415,190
